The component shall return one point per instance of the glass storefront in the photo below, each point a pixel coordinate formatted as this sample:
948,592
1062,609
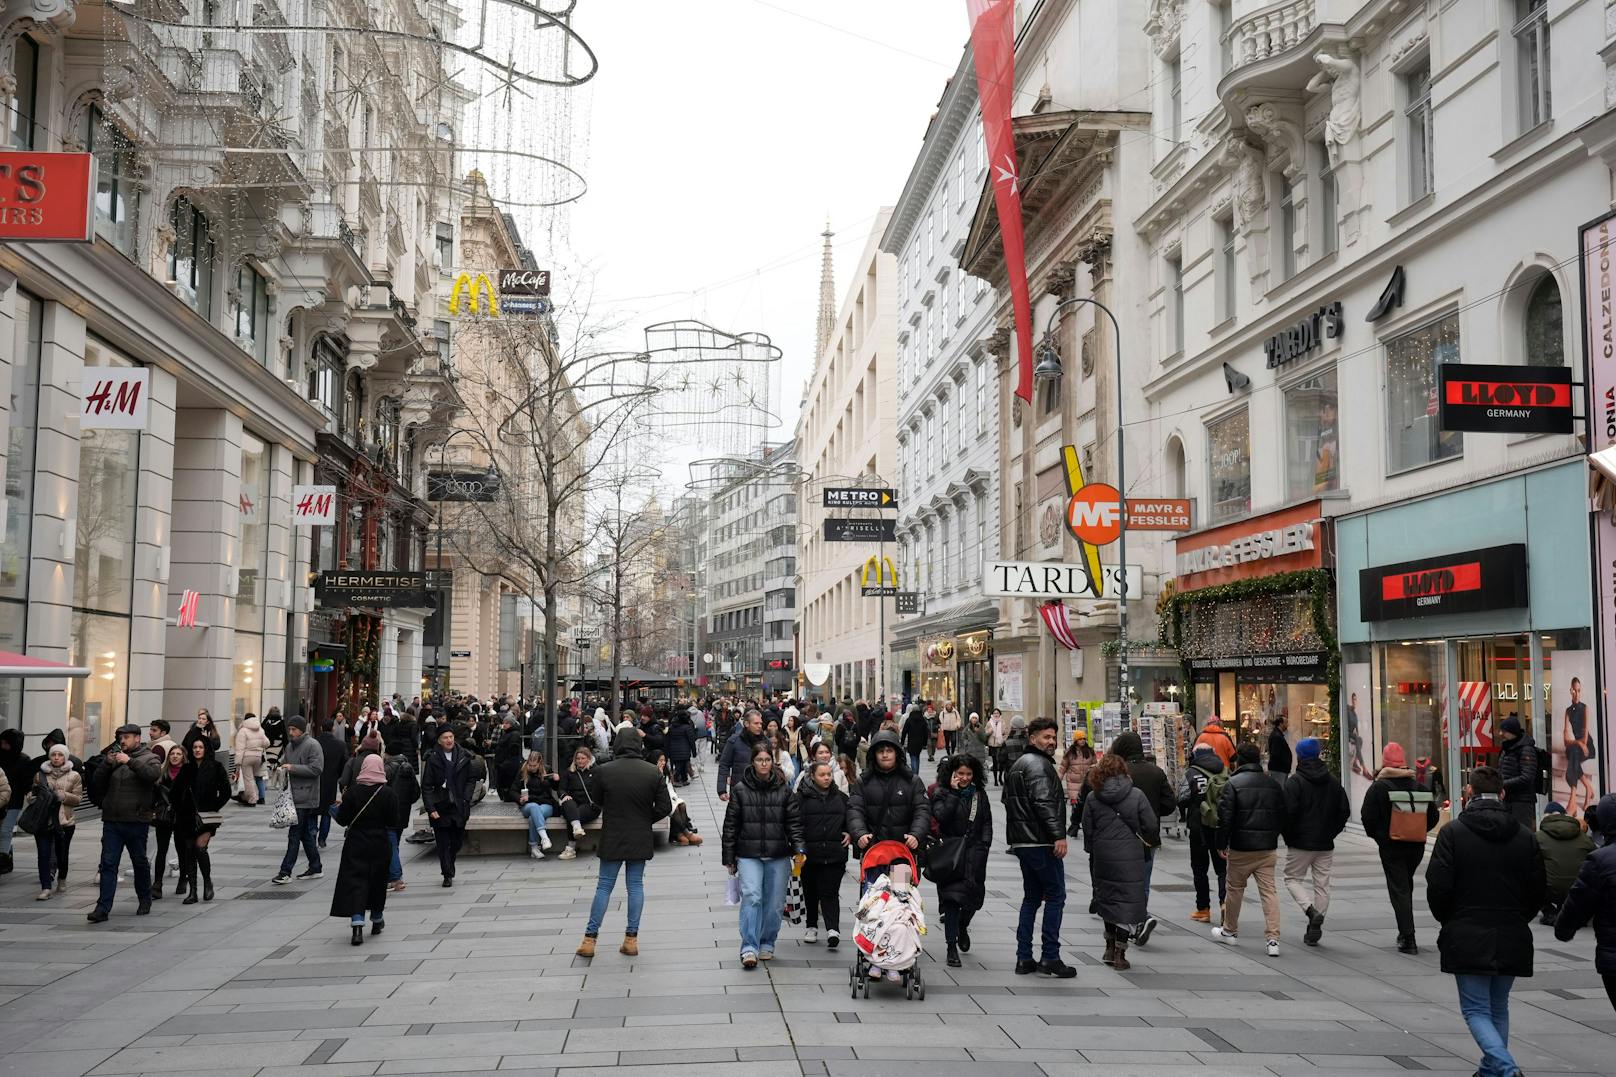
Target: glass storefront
252,567
14,550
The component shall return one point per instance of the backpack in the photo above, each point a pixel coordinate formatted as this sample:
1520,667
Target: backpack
97,778
1210,798
1408,818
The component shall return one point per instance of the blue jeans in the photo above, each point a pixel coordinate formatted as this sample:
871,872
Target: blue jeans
1484,1001
325,822
914,763
537,816
8,823
302,833
115,839
1043,881
763,899
260,783
1150,868
604,886
395,868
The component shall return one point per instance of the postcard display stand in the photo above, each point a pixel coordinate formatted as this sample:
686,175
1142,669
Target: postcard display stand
1166,735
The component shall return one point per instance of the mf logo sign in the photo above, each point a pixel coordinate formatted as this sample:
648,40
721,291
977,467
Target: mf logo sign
886,577
1094,514
471,287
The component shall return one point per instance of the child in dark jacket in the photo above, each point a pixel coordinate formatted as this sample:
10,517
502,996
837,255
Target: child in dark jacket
1565,844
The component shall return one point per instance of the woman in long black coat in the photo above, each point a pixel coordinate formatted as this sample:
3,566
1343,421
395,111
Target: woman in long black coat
200,791
681,747
951,815
1119,830
366,811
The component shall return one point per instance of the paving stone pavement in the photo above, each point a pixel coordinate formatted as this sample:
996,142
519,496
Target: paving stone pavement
482,979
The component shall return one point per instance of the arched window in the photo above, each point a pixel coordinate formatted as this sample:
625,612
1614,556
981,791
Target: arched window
1175,469
1545,328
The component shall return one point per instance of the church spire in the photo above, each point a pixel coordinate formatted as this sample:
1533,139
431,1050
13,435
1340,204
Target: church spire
827,298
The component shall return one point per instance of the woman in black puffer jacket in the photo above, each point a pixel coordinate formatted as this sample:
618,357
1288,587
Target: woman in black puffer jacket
823,809
762,830
1119,830
951,804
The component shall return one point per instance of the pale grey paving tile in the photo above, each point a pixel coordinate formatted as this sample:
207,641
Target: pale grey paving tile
659,1020
1345,1042
744,1034
186,1058
351,1033
720,1069
639,1006
473,1064
65,1062
269,992
224,1038
330,971
765,1054
326,1069
1107,1039
265,1021
686,1056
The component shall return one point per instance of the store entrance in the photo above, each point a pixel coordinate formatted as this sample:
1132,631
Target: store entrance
1250,704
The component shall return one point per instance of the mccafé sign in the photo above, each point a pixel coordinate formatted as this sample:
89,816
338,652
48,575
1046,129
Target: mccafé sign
47,196
1490,579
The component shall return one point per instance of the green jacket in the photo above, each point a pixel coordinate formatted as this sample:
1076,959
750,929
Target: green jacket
1564,845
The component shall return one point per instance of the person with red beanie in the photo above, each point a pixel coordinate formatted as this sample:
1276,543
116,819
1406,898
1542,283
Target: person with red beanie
1398,812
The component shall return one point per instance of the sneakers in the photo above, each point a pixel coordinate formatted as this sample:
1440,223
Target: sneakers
577,830
1059,969
44,895
311,874
396,885
1315,927
1142,936
1202,916
282,879
749,961
61,885
569,853
631,946
544,841
535,851
1272,946
587,947
1220,935
766,955
1026,968
810,935
832,939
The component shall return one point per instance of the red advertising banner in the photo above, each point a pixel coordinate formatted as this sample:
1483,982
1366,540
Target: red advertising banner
994,48
47,196
1599,356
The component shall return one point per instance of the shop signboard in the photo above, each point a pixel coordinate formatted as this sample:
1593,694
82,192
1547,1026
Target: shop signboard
47,197
1056,579
1284,541
314,506
859,497
524,291
1599,356
838,529
909,602
886,578
115,398
386,590
1504,399
1160,513
462,486
1466,582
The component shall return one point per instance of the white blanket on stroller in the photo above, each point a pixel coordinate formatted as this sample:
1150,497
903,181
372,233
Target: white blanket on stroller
891,921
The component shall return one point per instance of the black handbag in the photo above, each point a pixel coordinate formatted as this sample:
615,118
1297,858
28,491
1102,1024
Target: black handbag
946,861
42,814
162,805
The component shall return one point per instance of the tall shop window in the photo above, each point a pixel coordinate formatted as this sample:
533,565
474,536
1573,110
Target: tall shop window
1413,430
1419,132
117,192
1229,464
190,260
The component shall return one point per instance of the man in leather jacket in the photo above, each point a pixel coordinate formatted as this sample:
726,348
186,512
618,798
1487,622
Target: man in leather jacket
1035,831
1251,817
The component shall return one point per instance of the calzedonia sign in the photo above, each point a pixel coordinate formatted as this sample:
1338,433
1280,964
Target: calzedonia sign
1468,582
1505,399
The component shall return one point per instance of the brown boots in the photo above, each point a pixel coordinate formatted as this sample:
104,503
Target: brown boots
587,947
631,946
1116,951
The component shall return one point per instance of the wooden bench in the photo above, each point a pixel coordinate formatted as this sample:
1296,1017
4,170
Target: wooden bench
499,827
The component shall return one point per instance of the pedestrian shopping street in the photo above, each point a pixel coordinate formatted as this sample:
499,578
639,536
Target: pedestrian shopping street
482,979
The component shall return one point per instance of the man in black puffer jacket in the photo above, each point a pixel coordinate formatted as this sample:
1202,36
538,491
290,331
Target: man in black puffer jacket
1593,897
1034,800
889,803
1315,812
1251,816
1152,781
1517,765
1485,883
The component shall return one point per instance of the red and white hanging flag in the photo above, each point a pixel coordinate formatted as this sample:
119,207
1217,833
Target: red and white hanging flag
1059,623
994,48
188,607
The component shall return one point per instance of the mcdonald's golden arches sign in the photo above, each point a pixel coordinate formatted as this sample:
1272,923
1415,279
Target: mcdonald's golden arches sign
886,577
469,286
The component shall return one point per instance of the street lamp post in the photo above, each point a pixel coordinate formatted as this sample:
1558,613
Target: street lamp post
1048,368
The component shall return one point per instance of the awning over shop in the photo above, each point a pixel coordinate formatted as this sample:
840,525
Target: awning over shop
22,665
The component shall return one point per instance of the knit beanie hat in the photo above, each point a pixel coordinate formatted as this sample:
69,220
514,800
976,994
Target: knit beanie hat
1308,748
1393,756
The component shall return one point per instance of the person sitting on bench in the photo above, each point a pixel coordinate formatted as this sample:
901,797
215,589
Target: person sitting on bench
580,797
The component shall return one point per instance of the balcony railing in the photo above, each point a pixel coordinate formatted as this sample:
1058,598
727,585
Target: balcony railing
1272,31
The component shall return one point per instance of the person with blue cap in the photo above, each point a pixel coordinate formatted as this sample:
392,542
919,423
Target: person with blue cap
1315,813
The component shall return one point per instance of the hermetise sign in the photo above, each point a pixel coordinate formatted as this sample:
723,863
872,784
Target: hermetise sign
1258,546
1289,345
1054,579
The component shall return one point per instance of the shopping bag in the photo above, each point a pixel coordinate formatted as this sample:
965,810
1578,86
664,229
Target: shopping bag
732,890
284,817
792,913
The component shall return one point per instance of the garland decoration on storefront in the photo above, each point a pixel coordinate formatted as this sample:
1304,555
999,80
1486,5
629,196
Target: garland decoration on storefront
1317,583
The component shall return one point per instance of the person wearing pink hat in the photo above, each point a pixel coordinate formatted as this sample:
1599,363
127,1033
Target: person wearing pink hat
1398,812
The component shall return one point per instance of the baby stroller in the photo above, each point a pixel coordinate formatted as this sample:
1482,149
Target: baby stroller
891,920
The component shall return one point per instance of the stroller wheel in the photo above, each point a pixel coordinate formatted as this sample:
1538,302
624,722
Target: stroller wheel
921,994
908,989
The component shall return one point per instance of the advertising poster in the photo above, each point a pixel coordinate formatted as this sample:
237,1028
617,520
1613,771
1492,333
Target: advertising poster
1577,751
1007,684
1361,747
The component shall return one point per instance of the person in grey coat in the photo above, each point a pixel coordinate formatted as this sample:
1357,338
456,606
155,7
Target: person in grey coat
303,763
1119,829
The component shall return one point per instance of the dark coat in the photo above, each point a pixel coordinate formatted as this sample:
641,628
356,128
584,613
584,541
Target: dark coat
446,785
367,851
1279,753
1484,884
202,785
336,757
1376,811
1118,823
545,789
406,788
399,737
1316,807
951,818
130,787
1593,897
1204,766
1564,845
681,742
656,735
19,771
916,732
1148,778
761,821
888,804
735,759
195,734
633,796
274,727
846,737
1517,765
1251,812
824,821
1034,801
582,785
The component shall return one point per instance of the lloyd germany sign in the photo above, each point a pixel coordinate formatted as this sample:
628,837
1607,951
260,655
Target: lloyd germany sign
1489,579
1055,579
1505,399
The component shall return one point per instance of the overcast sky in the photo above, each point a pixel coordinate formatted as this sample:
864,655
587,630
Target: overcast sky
721,135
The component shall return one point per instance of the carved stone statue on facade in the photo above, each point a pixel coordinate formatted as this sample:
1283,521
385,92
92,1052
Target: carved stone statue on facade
1341,77
1250,193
